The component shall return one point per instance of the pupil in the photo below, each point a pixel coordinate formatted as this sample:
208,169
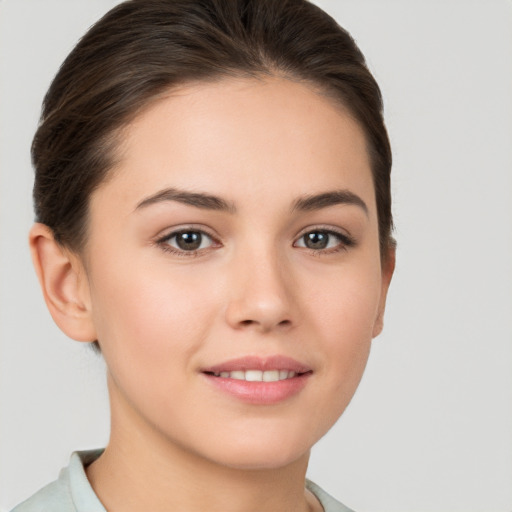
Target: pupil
316,240
189,241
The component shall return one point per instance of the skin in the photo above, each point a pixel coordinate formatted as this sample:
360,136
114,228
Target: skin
253,288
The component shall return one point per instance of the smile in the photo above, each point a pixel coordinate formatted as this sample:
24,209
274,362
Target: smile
259,380
257,375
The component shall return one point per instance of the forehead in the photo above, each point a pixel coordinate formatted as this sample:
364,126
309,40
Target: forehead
232,136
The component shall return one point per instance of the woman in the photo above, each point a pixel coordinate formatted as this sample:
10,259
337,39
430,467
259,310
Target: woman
214,215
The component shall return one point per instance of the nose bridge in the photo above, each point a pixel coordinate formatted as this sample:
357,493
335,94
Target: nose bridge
260,287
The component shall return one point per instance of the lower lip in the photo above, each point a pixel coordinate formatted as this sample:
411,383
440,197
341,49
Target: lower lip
260,393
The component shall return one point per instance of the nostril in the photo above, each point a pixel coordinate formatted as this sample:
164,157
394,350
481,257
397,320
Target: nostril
249,323
282,323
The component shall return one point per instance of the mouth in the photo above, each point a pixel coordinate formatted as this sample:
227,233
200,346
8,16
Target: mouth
258,375
259,381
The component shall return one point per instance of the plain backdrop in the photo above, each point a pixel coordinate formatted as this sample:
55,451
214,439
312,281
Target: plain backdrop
430,428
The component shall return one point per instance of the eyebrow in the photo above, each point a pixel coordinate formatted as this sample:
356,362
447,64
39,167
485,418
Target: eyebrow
197,199
211,202
326,199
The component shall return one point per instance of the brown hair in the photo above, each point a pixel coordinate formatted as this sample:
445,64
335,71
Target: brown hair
141,48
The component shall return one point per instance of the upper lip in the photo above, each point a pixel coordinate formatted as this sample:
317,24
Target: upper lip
276,362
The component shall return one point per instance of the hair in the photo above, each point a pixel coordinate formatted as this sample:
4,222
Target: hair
142,48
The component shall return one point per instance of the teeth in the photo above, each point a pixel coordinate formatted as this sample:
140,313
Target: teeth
270,376
257,375
253,375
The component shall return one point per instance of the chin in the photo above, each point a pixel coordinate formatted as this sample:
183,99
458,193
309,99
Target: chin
261,460
272,451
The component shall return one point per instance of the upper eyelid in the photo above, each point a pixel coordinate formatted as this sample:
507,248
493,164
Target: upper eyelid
326,228
341,237
176,230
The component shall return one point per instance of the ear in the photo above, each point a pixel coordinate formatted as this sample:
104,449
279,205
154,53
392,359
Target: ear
388,267
64,284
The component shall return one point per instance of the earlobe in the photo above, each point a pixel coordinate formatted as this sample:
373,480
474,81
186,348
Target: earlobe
388,267
63,283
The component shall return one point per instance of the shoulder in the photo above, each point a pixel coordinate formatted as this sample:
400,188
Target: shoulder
71,492
54,497
328,503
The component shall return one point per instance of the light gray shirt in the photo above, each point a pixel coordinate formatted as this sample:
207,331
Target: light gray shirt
72,492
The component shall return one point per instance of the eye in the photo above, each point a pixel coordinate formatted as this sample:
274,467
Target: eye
186,240
322,239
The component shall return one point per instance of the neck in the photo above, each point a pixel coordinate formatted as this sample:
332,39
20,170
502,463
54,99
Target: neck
142,470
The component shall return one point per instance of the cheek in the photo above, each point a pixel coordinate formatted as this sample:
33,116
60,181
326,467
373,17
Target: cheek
344,304
344,314
150,327
149,314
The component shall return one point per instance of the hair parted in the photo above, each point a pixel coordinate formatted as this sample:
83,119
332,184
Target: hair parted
142,48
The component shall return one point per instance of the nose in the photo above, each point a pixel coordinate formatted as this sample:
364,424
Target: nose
260,293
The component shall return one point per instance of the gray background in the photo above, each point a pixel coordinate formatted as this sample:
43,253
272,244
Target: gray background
430,428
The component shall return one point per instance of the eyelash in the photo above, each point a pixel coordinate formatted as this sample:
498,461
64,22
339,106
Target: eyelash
345,241
163,242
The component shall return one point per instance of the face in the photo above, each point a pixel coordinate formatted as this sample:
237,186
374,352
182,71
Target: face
233,270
